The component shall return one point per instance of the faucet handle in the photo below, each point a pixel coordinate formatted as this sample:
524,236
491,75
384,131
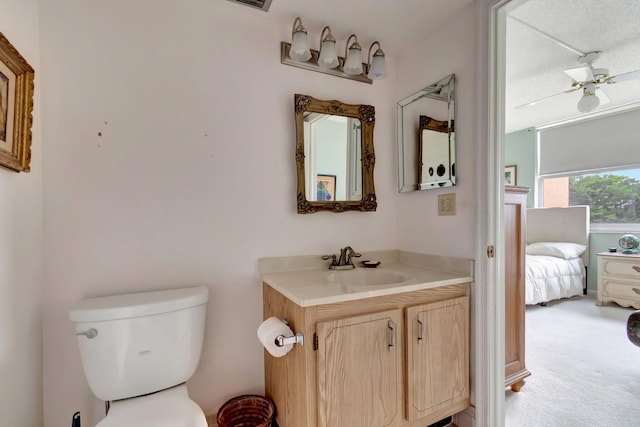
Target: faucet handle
352,255
331,257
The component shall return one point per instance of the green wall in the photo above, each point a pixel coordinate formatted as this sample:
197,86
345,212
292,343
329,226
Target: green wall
520,150
600,242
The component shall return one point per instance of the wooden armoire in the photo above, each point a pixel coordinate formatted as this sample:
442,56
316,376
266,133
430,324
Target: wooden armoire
515,225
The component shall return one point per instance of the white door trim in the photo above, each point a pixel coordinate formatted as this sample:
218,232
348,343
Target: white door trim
489,290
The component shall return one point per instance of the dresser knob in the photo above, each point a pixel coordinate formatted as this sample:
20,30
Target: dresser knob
636,290
636,268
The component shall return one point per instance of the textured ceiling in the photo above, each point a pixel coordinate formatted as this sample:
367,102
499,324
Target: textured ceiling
535,64
393,23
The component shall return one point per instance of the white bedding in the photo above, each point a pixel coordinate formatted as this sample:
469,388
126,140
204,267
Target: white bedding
548,278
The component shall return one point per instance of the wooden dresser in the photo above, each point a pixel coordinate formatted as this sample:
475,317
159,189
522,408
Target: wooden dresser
619,279
515,209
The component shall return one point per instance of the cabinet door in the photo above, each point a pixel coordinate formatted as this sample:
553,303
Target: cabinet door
438,356
359,371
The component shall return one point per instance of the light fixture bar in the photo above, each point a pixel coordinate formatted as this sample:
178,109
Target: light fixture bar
312,65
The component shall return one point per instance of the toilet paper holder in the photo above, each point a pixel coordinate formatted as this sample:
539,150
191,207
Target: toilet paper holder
281,340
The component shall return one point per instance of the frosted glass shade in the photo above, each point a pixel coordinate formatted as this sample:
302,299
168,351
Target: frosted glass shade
328,55
378,68
353,62
588,102
300,47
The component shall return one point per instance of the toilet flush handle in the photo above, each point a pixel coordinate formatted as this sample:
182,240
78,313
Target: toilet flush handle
91,333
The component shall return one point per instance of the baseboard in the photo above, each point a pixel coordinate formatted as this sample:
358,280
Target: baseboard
466,418
211,420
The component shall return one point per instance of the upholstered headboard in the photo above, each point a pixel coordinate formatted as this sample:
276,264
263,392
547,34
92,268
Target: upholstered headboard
570,224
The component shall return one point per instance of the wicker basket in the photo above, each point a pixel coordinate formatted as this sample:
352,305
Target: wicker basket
246,411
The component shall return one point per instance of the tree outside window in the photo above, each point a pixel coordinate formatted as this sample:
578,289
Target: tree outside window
614,197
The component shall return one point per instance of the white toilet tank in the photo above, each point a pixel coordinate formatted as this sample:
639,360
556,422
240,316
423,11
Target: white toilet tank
144,342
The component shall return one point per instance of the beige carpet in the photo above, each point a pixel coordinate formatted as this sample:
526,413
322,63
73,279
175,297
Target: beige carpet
584,370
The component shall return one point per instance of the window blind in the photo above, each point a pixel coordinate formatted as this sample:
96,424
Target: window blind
603,142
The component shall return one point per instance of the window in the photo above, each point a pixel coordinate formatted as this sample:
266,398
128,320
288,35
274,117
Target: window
613,196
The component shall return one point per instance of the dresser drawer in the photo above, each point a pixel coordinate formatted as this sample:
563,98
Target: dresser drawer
616,288
621,267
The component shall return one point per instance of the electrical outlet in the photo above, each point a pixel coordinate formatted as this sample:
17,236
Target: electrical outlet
447,204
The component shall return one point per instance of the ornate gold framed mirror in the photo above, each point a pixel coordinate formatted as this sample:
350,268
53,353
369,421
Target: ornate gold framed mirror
334,155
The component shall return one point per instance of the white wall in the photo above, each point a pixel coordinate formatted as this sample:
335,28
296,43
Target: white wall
21,249
169,161
451,49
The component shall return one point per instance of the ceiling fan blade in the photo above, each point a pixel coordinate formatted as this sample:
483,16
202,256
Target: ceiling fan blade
631,75
580,74
546,98
604,99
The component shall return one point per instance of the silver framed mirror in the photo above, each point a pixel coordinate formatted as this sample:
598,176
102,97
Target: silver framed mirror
426,137
334,155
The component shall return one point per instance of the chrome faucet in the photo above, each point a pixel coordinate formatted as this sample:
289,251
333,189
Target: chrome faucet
345,261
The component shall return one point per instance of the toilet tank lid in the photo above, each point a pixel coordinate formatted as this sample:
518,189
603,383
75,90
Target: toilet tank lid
138,304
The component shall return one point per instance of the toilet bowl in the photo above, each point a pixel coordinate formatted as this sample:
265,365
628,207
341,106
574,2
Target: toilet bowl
137,352
167,408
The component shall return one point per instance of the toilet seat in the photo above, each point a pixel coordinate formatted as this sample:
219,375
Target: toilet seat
168,408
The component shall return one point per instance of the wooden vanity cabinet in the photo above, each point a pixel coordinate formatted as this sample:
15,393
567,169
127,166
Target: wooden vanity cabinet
395,360
359,370
437,356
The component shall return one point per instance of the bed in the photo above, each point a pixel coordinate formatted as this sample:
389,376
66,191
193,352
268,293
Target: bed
557,253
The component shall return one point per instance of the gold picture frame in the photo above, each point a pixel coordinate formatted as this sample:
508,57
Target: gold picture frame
16,107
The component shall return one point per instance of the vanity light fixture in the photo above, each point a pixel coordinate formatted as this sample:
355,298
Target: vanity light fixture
326,60
299,42
328,57
376,66
353,55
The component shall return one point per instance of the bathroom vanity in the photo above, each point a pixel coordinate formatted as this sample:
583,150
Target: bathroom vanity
382,347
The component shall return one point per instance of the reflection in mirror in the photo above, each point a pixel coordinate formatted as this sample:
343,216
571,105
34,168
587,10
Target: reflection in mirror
334,155
426,153
434,165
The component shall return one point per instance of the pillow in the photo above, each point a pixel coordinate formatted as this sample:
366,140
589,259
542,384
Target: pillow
556,249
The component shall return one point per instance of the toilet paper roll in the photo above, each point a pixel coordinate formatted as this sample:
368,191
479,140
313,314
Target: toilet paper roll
267,333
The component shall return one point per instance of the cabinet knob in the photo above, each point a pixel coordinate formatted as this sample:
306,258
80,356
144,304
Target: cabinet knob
420,329
636,268
636,290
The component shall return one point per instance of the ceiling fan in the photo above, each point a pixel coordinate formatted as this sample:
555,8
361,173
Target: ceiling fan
586,77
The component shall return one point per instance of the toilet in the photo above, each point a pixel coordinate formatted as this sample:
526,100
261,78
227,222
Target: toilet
138,350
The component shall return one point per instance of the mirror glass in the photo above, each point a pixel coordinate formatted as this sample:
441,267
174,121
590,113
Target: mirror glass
426,138
334,155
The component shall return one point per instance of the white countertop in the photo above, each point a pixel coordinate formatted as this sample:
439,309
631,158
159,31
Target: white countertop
308,282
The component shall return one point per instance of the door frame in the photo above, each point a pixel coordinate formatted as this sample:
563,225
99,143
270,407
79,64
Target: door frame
489,291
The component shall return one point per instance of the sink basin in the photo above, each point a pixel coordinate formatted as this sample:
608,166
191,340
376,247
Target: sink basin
365,277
